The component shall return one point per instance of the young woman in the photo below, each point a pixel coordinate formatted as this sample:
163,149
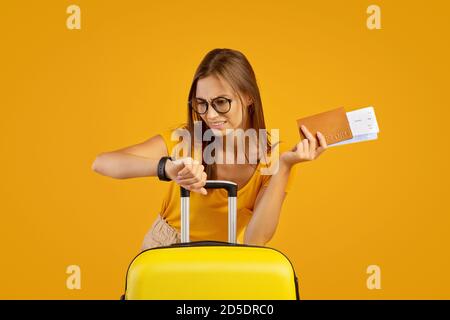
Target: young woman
223,97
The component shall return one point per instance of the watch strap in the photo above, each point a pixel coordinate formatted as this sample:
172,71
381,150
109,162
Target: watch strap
162,169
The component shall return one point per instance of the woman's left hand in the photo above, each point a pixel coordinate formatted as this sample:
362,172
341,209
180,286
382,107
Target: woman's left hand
305,150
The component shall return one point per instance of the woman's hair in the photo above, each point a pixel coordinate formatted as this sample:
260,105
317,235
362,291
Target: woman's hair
233,67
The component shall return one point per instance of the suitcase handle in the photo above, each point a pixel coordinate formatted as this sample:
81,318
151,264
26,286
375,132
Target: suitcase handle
231,187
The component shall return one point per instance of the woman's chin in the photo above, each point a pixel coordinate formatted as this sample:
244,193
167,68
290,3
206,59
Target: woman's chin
222,131
218,132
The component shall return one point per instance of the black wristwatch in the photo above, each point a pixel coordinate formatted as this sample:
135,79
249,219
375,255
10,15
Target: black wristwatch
162,169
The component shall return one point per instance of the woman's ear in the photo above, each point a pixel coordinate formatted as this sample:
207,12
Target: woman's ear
249,101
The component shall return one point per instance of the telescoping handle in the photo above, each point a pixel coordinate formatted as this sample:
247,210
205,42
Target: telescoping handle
231,187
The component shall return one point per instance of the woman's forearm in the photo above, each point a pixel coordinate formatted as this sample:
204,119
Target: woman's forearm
266,214
121,165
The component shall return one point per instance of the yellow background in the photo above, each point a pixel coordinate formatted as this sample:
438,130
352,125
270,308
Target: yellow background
67,95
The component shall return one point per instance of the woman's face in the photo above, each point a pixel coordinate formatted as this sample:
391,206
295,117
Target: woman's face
211,87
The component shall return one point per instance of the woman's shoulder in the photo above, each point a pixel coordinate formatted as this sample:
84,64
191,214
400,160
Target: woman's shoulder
173,136
270,165
272,154
170,130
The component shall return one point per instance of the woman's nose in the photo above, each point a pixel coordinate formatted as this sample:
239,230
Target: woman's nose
211,113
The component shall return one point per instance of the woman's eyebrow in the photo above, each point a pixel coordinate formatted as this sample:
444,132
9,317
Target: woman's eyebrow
221,95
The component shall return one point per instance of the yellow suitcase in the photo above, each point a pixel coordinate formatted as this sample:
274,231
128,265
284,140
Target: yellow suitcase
211,270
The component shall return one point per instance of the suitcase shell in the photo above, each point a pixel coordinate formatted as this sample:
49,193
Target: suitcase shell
211,270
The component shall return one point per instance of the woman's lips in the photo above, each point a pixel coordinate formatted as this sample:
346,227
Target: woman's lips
217,125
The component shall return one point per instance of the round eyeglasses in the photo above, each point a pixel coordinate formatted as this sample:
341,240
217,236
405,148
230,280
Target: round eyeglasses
220,104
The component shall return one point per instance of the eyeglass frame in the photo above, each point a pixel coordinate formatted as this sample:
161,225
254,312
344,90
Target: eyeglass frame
211,102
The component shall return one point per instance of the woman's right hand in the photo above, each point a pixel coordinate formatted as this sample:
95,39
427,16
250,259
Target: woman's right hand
187,173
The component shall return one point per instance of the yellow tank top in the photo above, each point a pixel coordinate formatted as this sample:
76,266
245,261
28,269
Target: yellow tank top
208,213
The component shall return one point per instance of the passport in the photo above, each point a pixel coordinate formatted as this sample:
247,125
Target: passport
333,124
363,124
